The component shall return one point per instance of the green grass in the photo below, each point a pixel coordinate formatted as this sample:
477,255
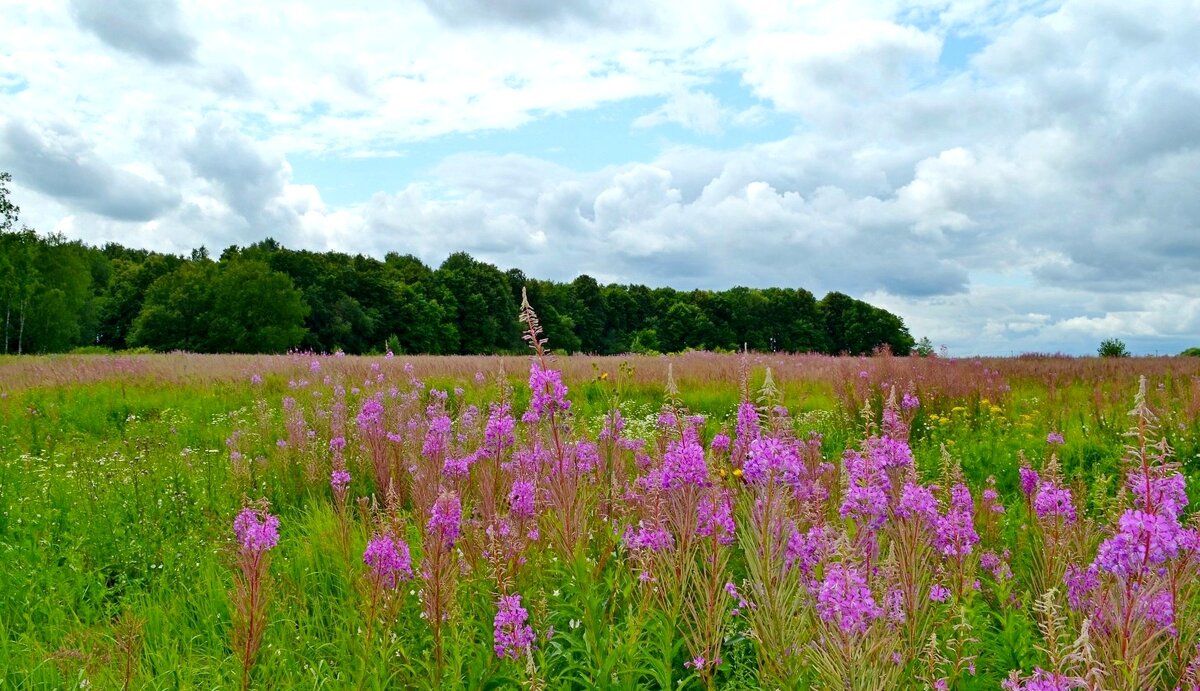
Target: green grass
116,501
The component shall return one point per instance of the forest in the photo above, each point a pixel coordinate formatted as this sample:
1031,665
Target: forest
60,295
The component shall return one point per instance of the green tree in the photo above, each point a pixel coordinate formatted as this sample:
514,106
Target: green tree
924,348
61,313
9,212
176,308
121,300
1113,347
254,310
20,283
485,314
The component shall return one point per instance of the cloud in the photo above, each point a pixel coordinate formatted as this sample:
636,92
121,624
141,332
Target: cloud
819,75
694,110
531,13
149,29
248,179
58,161
1036,194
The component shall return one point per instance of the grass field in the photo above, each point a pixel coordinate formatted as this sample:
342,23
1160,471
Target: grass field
121,477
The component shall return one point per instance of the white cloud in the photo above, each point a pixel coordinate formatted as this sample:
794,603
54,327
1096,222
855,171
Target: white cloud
1040,197
694,110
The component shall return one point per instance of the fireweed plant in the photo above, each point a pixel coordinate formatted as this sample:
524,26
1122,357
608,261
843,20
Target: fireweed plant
483,531
257,533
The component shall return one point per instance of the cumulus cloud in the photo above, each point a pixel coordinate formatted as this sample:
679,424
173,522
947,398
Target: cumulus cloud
247,179
695,110
1036,194
535,13
149,29
59,161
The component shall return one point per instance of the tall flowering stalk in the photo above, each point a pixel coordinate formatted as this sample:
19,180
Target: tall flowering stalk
850,652
570,469
388,564
440,565
370,422
706,603
1144,571
257,533
774,591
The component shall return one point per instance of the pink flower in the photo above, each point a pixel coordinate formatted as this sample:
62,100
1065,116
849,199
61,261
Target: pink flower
257,531
844,599
512,633
389,560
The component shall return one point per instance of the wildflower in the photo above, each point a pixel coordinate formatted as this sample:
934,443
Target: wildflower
955,531
844,599
498,432
512,633
1142,539
747,421
1159,609
683,464
866,493
887,452
769,457
1052,501
1055,439
649,539
549,393
1029,480
445,519
720,443
806,550
715,518
1080,583
521,499
893,605
257,531
370,415
459,468
917,501
742,603
389,560
996,564
939,593
909,401
1167,493
339,479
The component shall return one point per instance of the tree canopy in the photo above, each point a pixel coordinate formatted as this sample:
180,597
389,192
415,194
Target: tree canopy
58,295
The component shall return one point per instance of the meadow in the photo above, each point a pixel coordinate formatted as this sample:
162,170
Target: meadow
689,521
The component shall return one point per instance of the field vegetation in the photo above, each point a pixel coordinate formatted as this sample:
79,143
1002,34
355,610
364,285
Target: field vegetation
690,521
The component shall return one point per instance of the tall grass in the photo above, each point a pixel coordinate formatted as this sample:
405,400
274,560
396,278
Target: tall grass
120,477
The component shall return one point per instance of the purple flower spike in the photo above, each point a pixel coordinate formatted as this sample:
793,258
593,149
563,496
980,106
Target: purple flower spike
512,633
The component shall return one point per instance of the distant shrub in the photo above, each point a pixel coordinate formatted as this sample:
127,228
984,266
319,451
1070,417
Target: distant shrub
1113,347
924,348
140,350
91,350
1193,352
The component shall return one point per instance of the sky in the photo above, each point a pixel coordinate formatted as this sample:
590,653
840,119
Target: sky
1008,177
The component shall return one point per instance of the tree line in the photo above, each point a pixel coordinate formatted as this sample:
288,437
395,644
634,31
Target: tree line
59,294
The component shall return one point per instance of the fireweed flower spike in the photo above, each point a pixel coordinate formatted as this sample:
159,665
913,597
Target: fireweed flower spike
512,633
445,519
257,533
389,561
845,600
